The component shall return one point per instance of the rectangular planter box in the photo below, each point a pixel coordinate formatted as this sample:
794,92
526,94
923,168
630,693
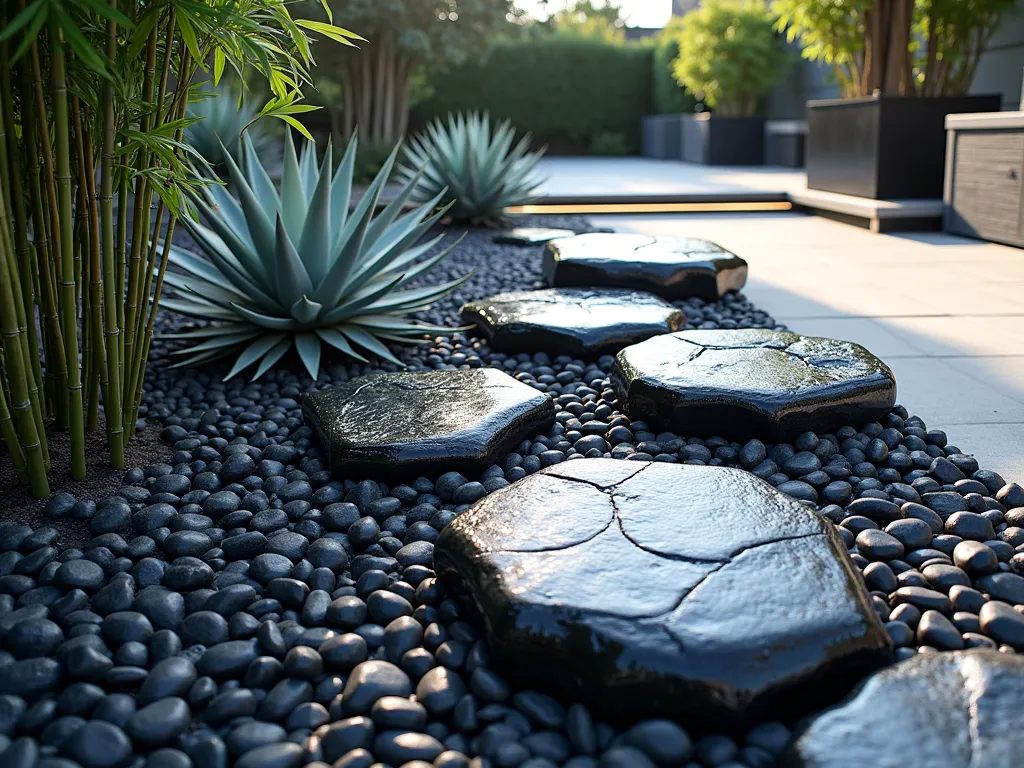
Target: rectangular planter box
662,137
785,142
883,147
984,190
723,140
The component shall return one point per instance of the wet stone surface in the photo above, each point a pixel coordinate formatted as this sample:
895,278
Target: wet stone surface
531,235
692,592
398,425
949,710
670,267
583,322
751,383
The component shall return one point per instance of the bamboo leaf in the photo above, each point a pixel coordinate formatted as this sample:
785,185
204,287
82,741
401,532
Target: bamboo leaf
337,34
296,125
109,12
218,65
27,14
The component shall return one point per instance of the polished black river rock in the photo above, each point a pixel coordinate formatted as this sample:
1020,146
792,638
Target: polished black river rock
750,383
401,425
671,267
645,588
531,235
960,709
581,322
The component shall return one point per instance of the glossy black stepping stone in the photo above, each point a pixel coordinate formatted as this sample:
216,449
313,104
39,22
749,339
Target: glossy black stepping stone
670,267
402,425
679,591
581,322
740,384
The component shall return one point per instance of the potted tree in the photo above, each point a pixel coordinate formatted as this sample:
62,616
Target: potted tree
901,66
729,57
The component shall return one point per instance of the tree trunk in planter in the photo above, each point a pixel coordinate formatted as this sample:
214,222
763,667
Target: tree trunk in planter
376,87
887,64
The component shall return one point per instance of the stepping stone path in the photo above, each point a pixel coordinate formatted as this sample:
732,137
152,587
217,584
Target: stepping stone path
670,267
401,425
773,385
531,235
687,592
937,710
581,322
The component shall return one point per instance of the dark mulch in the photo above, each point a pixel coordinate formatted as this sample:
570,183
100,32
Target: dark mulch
17,504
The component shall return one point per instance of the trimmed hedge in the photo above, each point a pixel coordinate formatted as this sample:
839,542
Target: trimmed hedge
563,90
667,96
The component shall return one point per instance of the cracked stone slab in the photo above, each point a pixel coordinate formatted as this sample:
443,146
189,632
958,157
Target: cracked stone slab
402,425
749,383
669,590
939,710
581,322
531,235
670,267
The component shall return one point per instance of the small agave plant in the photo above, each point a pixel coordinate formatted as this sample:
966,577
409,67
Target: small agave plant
299,268
482,171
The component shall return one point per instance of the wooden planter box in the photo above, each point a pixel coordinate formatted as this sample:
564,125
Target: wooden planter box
884,148
984,188
711,139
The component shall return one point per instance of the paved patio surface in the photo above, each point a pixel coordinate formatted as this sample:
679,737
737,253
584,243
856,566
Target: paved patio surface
640,176
946,313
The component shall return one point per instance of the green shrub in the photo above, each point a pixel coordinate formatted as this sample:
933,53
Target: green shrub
730,55
667,96
609,144
561,89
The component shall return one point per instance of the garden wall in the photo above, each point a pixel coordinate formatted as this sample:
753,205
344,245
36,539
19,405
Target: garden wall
565,91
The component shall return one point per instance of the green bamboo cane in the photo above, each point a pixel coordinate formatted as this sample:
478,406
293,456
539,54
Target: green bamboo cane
24,308
49,320
52,268
59,97
10,435
112,409
89,242
16,370
142,210
137,401
23,251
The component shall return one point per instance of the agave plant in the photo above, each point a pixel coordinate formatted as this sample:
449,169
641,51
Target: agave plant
482,171
298,267
219,124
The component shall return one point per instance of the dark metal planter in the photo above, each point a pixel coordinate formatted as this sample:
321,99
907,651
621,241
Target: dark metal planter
723,140
883,148
662,137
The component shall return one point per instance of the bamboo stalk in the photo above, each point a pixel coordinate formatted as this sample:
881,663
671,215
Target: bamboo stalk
111,321
137,401
140,224
98,356
24,313
51,271
66,287
10,435
16,371
23,252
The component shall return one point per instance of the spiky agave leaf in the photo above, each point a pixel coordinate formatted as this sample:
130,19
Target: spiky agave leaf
296,266
482,170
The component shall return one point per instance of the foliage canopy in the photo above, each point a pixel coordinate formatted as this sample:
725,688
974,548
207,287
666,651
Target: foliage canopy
729,55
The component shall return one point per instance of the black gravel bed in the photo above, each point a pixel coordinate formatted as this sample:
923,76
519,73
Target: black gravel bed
238,605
